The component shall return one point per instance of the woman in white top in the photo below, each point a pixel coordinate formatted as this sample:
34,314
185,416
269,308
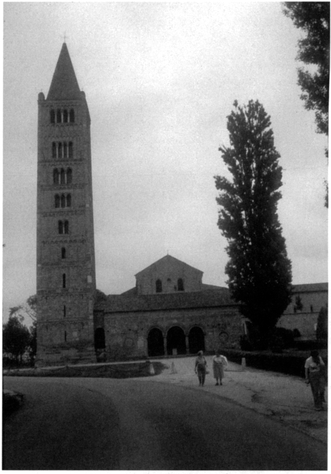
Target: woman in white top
219,363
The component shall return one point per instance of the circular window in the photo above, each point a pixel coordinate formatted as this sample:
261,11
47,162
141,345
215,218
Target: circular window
223,336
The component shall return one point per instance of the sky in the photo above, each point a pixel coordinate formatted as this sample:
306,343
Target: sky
160,80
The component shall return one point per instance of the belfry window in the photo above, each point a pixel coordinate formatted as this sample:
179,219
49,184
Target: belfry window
57,201
58,116
63,227
71,150
52,115
62,176
60,227
68,200
69,175
158,286
72,116
53,150
55,176
65,116
66,227
63,200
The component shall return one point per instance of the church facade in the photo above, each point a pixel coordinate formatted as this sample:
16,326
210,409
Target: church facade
169,312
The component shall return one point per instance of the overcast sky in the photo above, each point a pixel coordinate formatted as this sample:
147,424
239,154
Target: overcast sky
160,80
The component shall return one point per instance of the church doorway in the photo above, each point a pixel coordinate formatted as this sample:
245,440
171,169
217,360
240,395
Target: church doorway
196,340
176,341
155,343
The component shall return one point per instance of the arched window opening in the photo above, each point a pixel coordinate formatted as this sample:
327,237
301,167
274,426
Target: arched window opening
60,227
196,340
65,116
72,115
180,284
57,201
52,115
64,280
69,175
60,150
65,150
158,286
53,150
66,227
63,200
64,311
55,176
58,116
62,176
155,343
71,150
68,200
63,252
176,343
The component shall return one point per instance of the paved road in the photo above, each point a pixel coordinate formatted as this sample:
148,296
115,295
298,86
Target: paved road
85,424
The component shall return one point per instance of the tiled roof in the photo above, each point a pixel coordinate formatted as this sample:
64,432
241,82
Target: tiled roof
310,287
168,258
166,301
64,83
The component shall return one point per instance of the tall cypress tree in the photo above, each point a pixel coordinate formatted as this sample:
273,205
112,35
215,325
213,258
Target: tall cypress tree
259,270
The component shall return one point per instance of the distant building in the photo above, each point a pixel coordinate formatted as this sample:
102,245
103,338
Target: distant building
302,312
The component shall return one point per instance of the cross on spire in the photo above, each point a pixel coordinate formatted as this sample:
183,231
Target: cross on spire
65,37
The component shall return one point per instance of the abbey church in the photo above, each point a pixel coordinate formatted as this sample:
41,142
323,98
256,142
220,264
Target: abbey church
170,310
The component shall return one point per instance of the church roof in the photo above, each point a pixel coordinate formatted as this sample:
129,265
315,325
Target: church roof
167,259
64,83
166,301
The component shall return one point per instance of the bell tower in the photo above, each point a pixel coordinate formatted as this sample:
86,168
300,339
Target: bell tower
65,235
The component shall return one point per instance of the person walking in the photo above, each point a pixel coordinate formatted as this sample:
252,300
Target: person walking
315,376
201,368
219,364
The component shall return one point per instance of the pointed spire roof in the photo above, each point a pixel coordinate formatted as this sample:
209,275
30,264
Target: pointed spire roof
64,83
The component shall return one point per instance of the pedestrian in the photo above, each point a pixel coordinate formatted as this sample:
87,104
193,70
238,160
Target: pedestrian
315,376
219,364
201,368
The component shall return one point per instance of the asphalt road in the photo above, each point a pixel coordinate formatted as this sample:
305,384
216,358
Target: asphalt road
97,424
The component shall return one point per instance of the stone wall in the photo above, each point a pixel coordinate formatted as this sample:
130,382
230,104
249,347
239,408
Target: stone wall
126,334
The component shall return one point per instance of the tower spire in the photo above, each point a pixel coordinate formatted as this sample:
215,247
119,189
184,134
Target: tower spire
64,83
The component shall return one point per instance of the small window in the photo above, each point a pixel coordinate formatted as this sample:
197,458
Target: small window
55,176
311,308
71,150
180,284
65,150
72,116
64,311
53,150
69,176
64,280
63,200
57,201
66,227
60,227
158,286
68,200
65,336
62,176
63,252
60,150
65,116
52,115
58,116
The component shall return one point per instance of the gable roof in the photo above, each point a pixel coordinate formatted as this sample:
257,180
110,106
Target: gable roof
167,259
64,84
166,301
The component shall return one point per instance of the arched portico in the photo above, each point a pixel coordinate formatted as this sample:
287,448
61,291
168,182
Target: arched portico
196,340
155,343
176,341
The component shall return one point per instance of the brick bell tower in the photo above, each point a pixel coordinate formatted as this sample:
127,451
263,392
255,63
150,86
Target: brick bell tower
65,236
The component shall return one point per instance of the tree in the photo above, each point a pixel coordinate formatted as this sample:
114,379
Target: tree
322,325
314,50
259,270
16,337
